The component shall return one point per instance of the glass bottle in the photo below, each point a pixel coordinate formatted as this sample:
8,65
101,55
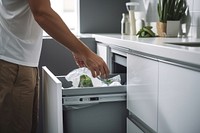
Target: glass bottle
125,26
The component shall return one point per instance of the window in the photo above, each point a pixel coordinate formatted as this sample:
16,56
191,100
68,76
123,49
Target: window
69,6
69,14
67,11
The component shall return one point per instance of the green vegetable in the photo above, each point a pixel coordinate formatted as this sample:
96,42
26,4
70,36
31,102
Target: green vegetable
105,81
146,32
85,81
108,81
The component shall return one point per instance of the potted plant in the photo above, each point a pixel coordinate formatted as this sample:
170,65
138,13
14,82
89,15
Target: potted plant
170,13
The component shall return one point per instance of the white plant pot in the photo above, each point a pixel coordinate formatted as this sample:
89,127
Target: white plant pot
173,28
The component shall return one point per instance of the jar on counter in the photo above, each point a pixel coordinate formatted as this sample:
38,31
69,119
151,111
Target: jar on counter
131,8
139,20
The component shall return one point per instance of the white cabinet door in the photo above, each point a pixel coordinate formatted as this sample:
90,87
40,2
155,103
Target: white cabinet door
132,128
104,52
142,89
179,100
53,117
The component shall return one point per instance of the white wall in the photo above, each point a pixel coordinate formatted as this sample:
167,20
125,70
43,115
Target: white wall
192,26
195,17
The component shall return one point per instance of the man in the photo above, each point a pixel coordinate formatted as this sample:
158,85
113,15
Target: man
21,24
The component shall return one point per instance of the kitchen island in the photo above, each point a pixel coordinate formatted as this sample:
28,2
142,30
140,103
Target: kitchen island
162,82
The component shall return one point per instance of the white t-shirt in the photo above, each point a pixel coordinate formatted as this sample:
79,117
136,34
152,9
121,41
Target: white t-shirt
20,35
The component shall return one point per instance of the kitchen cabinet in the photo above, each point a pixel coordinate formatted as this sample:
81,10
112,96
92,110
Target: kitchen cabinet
132,128
142,88
179,100
162,83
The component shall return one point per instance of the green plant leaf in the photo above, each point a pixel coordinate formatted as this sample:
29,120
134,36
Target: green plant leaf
171,9
165,13
159,10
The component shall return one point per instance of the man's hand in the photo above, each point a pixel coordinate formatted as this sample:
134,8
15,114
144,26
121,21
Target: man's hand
94,63
79,61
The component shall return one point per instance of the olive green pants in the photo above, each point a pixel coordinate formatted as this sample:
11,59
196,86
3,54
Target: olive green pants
19,93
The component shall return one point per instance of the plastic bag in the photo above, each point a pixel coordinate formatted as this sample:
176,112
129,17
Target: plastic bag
84,73
115,81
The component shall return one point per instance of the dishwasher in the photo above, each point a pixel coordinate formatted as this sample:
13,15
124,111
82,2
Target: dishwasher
82,110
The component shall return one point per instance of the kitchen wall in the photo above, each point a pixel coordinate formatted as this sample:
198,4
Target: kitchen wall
100,16
192,25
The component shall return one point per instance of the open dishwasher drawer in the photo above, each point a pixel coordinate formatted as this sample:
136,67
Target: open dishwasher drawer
82,110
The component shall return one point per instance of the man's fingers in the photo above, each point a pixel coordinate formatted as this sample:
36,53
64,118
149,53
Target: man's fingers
102,71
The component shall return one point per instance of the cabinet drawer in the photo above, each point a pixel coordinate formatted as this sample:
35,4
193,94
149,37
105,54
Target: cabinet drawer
142,89
132,128
179,101
57,93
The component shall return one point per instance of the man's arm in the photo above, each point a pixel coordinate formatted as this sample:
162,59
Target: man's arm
51,22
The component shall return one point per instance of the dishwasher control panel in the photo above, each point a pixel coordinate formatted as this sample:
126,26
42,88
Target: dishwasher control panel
89,99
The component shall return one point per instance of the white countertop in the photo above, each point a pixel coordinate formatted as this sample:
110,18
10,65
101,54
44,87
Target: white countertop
155,46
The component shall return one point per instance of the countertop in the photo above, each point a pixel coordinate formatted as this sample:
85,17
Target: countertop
156,46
